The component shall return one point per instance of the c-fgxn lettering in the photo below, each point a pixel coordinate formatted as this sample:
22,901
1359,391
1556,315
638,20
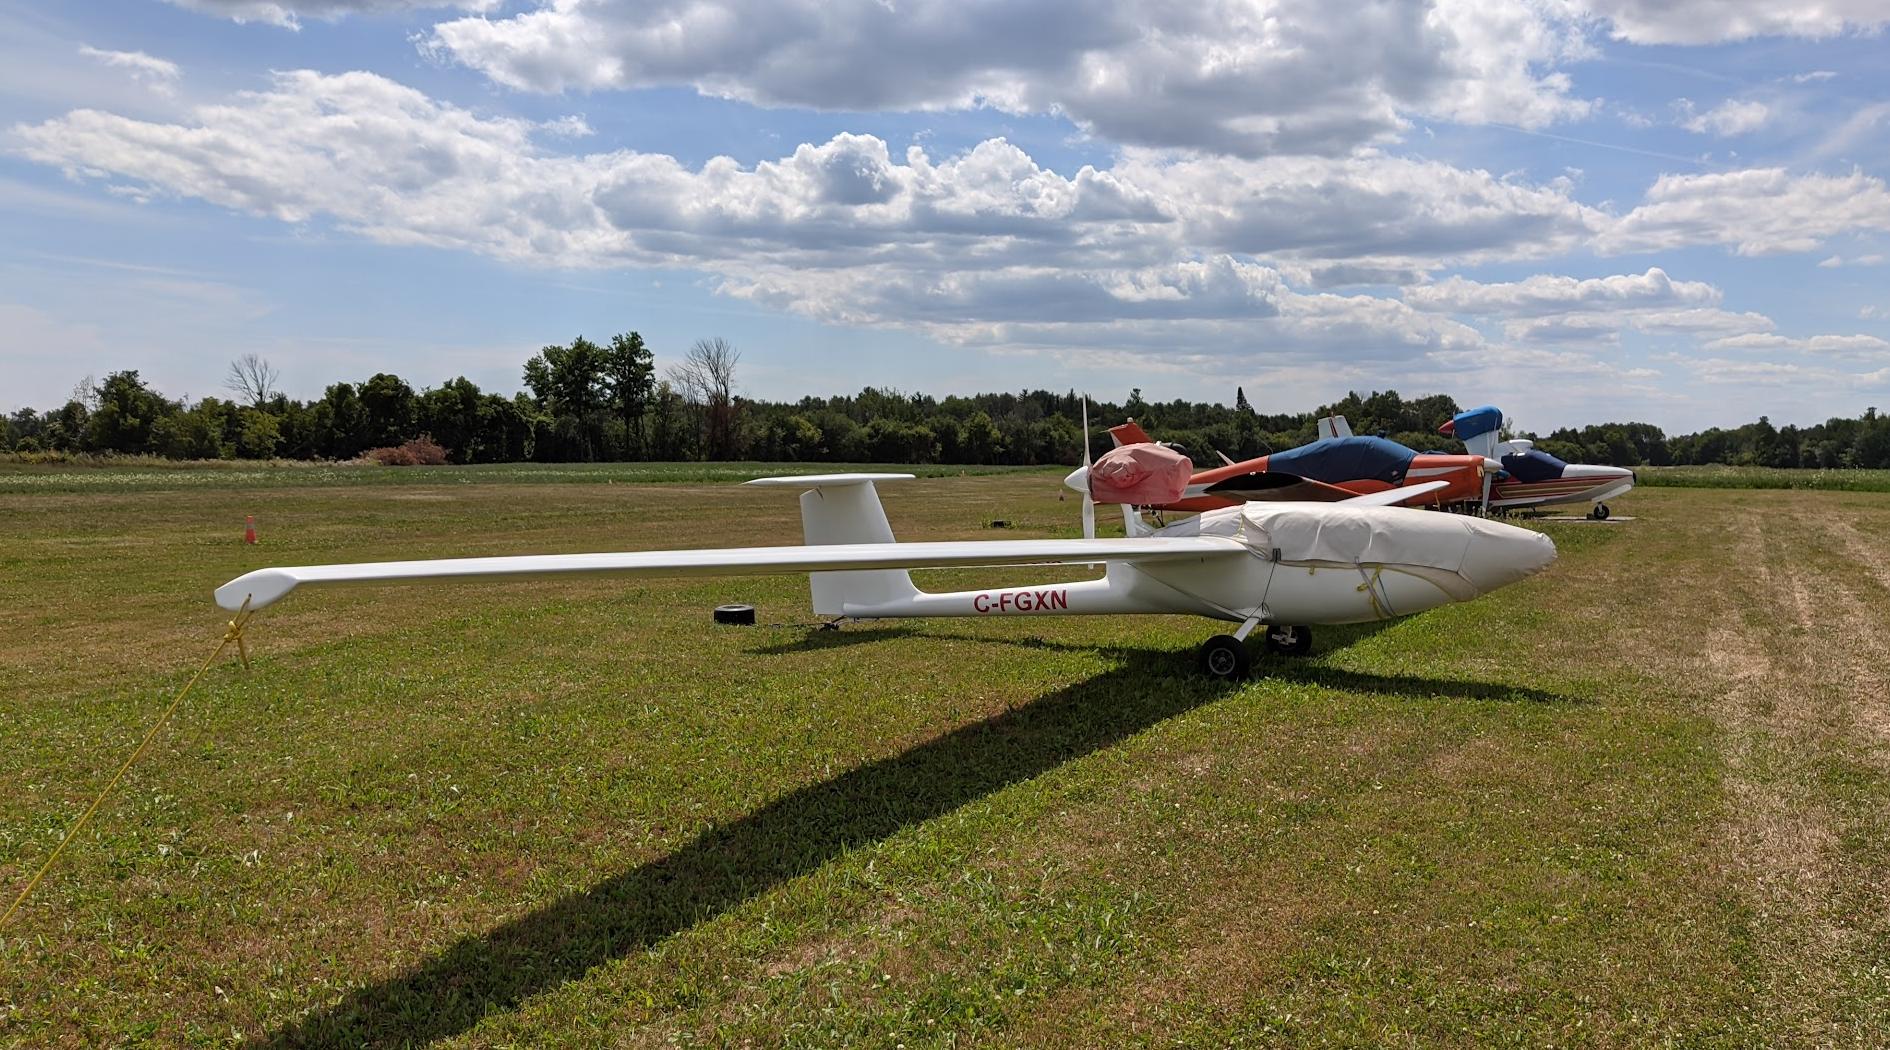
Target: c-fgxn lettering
1048,600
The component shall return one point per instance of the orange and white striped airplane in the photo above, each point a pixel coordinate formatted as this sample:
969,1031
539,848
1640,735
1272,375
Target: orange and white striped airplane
1328,470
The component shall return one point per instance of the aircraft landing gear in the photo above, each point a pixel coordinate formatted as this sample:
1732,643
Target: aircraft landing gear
1600,513
1289,640
1225,657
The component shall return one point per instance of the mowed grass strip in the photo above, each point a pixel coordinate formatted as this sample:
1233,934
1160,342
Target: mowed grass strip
107,474
573,813
1725,477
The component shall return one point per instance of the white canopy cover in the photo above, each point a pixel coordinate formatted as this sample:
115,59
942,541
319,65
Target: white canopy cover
1455,551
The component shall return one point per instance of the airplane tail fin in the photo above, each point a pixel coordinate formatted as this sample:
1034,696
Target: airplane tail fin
1130,433
1477,429
845,508
1334,426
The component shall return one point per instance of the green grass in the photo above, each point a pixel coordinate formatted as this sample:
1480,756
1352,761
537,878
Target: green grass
1636,800
1722,477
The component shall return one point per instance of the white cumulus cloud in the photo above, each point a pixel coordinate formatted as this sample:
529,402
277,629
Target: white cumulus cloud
1287,76
1184,257
289,13
1551,308
1758,211
1552,294
1867,347
385,160
1729,118
1720,21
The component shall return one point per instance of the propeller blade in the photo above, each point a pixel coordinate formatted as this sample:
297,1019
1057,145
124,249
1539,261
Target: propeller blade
1086,430
1089,504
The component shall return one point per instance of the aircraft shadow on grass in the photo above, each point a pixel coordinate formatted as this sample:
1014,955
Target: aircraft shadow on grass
1330,639
789,837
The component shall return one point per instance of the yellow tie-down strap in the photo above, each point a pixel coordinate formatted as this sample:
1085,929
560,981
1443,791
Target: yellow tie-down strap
233,633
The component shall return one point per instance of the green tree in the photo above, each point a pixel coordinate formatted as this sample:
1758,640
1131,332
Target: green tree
454,413
630,381
568,382
668,439
195,433
127,412
794,438
339,422
389,408
982,442
257,435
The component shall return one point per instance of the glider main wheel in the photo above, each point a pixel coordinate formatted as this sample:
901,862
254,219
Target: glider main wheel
1600,513
1225,657
1289,639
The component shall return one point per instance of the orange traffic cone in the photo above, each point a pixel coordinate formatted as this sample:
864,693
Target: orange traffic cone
249,528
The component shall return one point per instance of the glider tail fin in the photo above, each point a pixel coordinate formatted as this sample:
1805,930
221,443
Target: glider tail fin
845,508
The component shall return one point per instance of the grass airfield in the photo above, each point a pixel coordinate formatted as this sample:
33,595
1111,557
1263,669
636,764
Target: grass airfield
1642,798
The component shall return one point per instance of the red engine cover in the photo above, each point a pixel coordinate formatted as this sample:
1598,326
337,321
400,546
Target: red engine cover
1140,474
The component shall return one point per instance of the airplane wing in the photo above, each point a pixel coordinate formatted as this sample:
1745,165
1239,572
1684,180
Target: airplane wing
1266,486
1393,497
1277,487
267,586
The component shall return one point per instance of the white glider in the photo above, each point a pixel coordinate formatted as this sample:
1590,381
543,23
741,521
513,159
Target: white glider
1286,565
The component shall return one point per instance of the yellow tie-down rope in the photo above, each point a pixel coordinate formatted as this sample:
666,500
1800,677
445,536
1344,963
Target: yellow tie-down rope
234,633
1381,604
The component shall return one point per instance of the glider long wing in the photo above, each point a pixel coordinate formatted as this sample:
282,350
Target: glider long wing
267,586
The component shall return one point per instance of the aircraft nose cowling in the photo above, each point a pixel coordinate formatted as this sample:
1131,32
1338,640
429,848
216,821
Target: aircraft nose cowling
1501,554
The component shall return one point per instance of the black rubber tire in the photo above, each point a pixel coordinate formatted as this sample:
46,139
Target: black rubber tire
1288,639
1225,657
1600,513
735,615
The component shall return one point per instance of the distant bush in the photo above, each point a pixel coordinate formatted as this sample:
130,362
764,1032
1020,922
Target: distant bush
422,451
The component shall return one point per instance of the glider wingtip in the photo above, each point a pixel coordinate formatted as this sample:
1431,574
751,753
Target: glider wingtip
259,588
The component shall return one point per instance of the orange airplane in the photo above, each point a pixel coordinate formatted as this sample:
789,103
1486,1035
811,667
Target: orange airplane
1328,470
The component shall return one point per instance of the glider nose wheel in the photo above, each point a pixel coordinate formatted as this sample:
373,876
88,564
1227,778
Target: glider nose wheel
1289,640
1225,657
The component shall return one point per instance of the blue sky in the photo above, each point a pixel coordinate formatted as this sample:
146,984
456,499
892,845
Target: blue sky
1581,210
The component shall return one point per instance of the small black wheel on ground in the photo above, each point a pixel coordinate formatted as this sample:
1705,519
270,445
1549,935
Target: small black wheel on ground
1289,639
1600,513
1225,657
740,615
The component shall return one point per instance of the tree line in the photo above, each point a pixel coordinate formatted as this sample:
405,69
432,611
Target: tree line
590,401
